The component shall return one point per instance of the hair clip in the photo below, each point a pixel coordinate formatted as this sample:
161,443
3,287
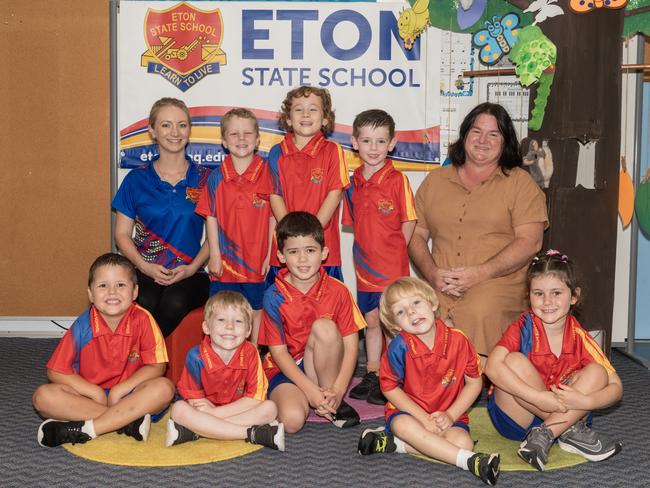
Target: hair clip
554,252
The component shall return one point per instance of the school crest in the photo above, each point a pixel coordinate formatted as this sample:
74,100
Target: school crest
192,194
133,356
385,206
449,378
317,175
183,44
258,202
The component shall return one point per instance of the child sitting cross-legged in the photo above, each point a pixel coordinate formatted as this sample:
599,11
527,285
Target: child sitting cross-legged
430,376
223,384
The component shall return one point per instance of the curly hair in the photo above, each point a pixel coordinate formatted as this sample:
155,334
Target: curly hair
305,91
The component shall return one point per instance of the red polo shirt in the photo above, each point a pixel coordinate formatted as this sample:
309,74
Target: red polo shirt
205,375
103,357
288,314
240,203
431,378
377,208
304,177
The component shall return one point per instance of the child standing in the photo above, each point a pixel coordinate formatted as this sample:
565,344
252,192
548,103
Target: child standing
380,206
309,172
310,323
430,375
549,374
106,372
239,224
223,384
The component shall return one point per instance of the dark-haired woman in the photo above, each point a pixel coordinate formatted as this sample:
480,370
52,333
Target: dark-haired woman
485,217
158,200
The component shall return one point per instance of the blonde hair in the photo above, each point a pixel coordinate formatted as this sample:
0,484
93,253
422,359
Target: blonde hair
242,113
305,91
403,288
168,102
225,299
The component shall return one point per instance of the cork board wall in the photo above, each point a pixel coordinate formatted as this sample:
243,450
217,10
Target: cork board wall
54,202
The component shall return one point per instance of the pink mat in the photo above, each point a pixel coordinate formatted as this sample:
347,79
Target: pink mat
367,411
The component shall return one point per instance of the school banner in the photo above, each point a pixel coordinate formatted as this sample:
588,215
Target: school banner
219,55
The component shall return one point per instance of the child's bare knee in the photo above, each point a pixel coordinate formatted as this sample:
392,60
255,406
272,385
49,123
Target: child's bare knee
268,411
180,410
515,359
293,420
325,331
40,398
594,374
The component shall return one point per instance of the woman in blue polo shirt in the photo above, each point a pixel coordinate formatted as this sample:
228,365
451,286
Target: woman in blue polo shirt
158,199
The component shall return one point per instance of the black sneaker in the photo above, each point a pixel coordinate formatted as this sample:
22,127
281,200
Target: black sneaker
138,429
345,416
269,435
534,449
52,433
583,440
177,434
485,467
361,391
375,396
374,441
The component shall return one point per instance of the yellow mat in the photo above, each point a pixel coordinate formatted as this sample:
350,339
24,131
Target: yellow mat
126,451
489,440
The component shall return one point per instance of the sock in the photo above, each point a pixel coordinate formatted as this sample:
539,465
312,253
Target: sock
373,366
462,457
400,445
250,437
89,428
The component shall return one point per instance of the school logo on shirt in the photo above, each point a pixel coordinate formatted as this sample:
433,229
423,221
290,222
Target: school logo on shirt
449,378
192,194
385,206
258,202
240,388
183,44
317,175
133,356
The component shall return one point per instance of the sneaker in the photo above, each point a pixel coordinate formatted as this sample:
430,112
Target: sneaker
177,434
375,441
534,449
375,396
52,433
583,440
485,467
138,429
361,391
268,435
345,416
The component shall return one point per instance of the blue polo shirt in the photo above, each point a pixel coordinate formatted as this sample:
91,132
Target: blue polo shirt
167,230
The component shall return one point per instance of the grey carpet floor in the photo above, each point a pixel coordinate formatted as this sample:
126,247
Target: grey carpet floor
319,456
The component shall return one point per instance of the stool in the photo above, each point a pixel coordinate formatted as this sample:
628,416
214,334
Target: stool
188,334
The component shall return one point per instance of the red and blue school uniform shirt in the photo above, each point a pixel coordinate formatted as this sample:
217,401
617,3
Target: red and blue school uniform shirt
527,335
304,177
167,230
288,314
205,375
432,378
377,208
103,357
240,203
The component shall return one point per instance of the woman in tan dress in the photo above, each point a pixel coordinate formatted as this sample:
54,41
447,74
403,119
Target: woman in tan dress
485,217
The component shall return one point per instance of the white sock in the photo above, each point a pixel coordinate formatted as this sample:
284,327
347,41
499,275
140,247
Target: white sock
400,445
89,428
462,457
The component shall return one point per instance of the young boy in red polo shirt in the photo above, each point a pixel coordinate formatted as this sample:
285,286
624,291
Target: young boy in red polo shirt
239,224
380,206
106,372
309,172
310,323
430,375
223,384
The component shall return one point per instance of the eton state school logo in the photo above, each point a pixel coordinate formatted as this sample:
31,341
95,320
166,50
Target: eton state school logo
183,44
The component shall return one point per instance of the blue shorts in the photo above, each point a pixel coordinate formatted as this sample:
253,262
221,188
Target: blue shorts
333,271
155,417
280,378
507,427
254,292
368,300
462,425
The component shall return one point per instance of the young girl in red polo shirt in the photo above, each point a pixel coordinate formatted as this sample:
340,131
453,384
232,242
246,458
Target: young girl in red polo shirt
549,374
